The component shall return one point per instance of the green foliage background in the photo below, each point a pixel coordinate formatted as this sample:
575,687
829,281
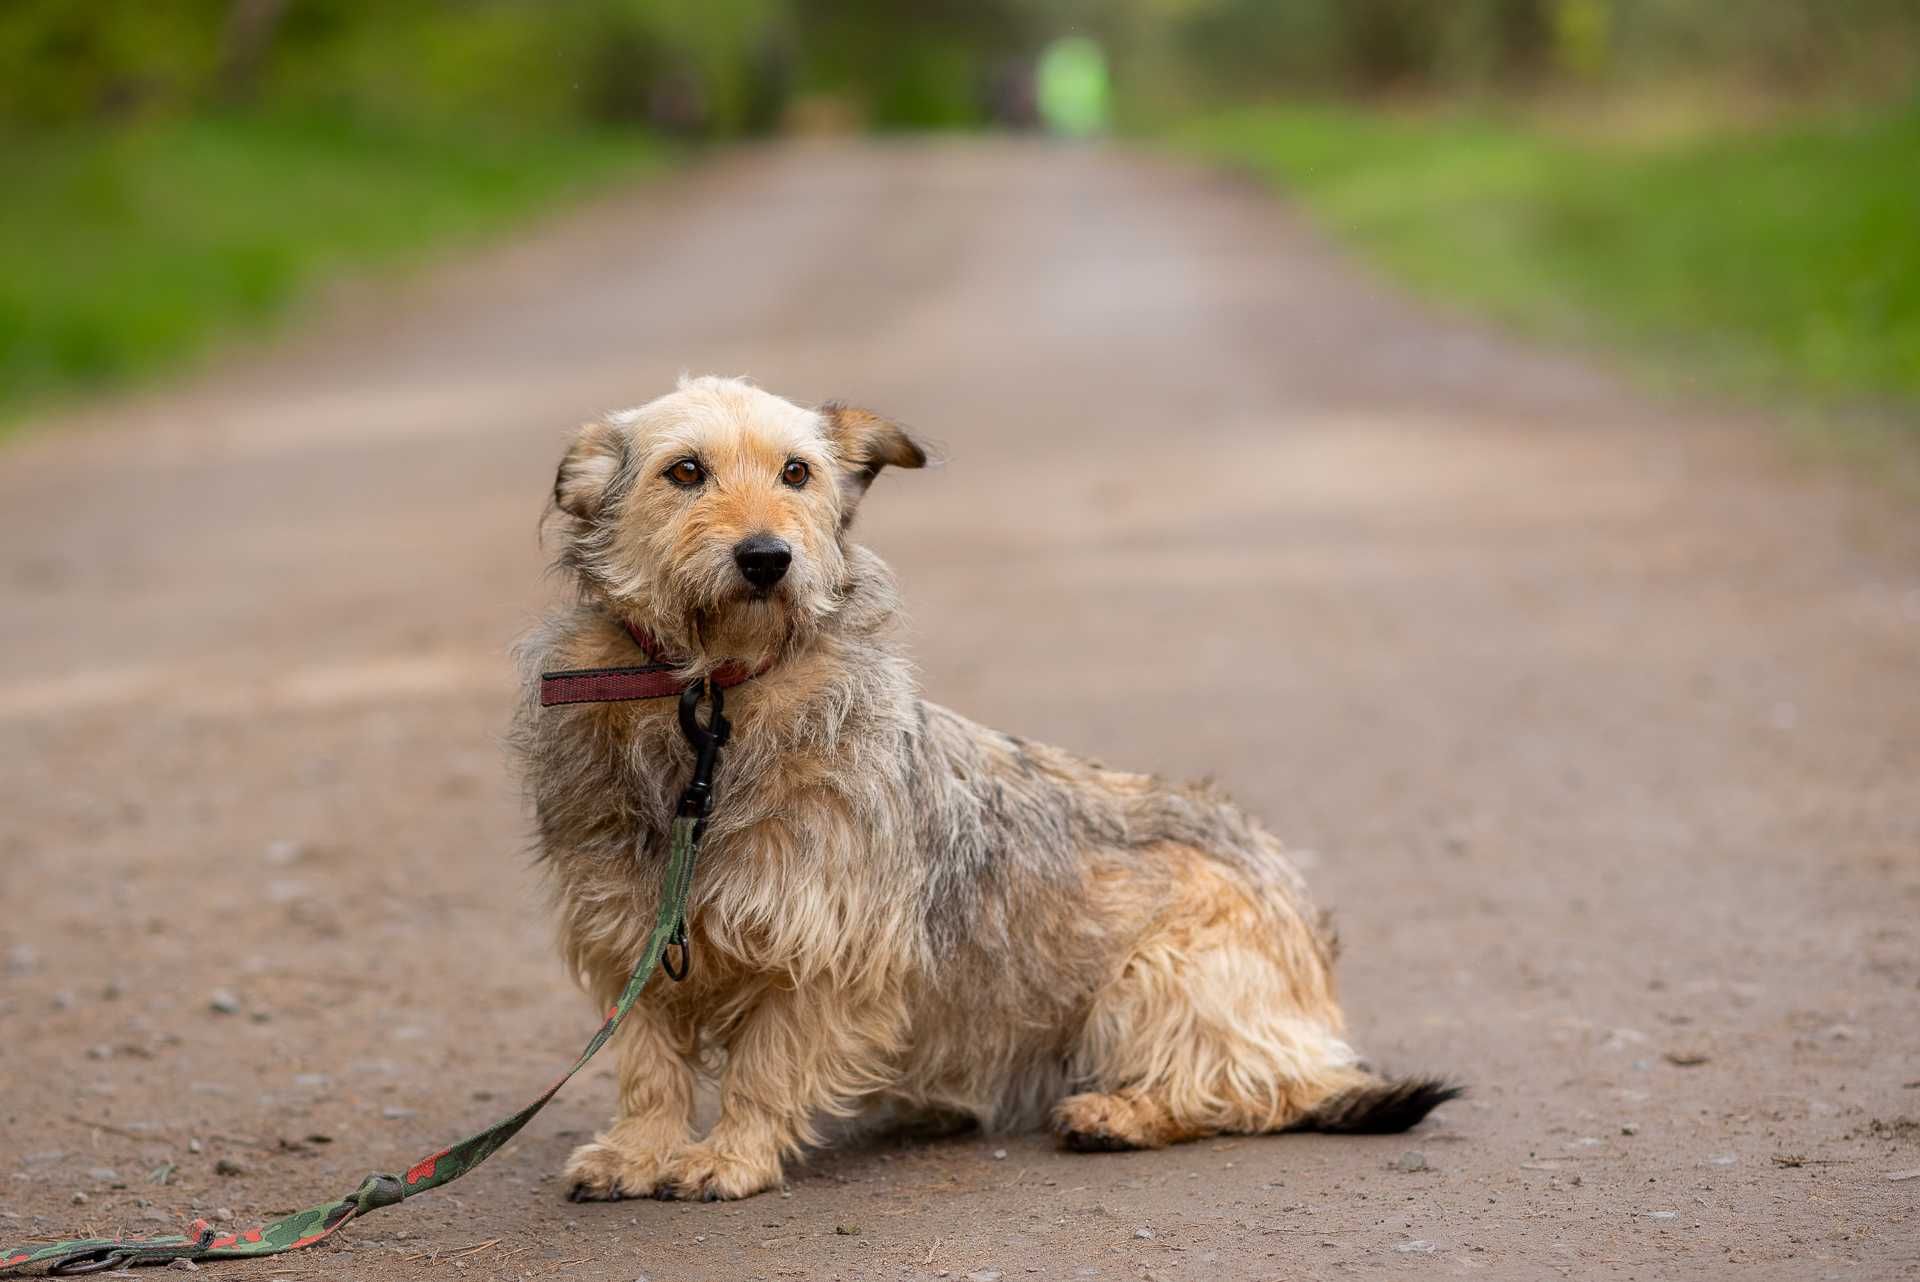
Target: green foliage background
1735,183
1773,260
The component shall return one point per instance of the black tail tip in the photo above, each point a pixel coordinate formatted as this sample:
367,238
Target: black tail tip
1383,1108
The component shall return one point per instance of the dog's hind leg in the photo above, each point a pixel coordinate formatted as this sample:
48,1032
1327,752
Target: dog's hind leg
1221,1021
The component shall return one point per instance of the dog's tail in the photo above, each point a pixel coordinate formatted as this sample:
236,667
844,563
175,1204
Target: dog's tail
1380,1107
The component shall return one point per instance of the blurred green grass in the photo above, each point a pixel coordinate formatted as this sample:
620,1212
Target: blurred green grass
126,250
1765,259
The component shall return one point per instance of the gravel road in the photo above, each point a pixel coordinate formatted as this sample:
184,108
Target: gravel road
1597,717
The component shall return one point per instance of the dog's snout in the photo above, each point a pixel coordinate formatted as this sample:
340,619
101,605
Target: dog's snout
763,560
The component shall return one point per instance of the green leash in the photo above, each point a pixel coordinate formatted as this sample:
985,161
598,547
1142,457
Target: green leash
318,1223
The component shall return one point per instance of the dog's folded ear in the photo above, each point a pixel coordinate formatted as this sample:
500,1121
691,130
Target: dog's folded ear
592,461
867,442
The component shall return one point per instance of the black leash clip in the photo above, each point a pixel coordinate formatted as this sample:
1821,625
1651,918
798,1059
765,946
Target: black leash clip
696,800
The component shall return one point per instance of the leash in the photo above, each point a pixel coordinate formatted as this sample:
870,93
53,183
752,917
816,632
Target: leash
318,1223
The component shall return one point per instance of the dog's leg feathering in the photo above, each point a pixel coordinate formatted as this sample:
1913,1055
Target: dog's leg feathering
799,1054
629,1158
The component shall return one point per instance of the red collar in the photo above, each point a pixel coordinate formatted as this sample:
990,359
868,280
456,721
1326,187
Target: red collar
618,685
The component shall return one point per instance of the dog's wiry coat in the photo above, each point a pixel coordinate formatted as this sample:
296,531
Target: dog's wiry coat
895,907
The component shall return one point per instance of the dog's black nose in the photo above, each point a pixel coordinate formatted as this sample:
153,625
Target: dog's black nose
763,560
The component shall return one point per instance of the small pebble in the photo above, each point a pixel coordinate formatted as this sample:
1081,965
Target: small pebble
394,1113
79,1199
63,1000
1412,1160
846,1230
1629,1128
283,852
1663,1215
103,1175
100,1051
999,1155
985,1275
227,1166
1143,1233
285,891
1419,1246
183,1264
193,1146
223,1002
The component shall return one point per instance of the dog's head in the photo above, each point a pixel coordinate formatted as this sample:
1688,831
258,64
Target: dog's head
716,516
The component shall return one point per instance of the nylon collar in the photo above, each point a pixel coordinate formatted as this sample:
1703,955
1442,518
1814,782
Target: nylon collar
621,685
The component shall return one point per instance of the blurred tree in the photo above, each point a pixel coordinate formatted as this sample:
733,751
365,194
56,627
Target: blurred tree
720,67
1523,38
62,62
1233,49
249,35
1582,37
1389,43
914,63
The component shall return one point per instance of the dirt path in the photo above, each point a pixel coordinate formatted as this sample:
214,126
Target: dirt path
1605,726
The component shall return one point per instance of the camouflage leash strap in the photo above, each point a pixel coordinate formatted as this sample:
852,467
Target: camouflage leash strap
317,1223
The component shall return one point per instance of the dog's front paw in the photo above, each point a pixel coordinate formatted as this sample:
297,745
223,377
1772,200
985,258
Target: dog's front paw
703,1173
601,1172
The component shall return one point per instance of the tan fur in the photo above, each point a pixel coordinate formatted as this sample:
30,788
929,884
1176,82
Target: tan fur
896,909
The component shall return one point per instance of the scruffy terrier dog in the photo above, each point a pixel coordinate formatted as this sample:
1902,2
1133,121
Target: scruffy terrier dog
896,909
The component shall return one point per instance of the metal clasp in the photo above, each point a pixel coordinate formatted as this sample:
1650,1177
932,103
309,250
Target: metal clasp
706,741
97,1260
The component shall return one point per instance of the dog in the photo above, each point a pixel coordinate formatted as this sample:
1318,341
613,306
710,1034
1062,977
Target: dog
897,912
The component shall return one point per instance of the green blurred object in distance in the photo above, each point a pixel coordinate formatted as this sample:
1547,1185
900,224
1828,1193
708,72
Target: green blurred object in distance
1073,89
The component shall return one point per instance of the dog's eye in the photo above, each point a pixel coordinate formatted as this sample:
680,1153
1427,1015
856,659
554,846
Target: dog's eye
687,473
796,473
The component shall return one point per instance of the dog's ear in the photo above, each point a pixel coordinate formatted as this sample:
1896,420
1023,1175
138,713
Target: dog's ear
866,442
592,461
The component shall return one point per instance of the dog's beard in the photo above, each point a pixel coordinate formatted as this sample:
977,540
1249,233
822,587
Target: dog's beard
705,615
721,619
749,628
